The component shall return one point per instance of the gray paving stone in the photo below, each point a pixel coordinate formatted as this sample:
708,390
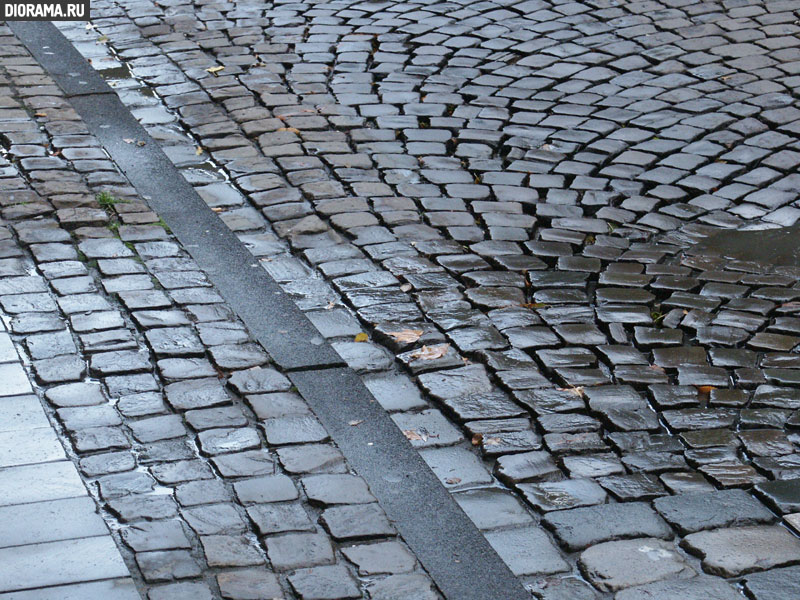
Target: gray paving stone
775,583
22,413
324,583
50,521
381,557
15,381
527,551
582,527
612,566
696,588
298,550
59,563
250,584
29,447
694,512
739,550
180,591
40,483
406,585
123,589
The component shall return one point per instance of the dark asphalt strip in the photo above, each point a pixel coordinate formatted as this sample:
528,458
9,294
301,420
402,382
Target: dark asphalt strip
455,554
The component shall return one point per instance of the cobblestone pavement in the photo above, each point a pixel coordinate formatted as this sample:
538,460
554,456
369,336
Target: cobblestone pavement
207,464
500,195
50,535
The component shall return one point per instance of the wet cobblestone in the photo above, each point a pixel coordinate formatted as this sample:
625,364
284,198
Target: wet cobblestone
518,184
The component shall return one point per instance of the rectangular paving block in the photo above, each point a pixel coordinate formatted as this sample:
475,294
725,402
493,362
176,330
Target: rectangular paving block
59,563
18,413
29,447
7,351
37,483
13,380
112,589
50,521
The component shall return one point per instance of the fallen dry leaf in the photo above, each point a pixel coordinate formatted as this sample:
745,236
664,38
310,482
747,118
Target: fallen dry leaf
361,337
214,70
533,305
431,352
408,336
477,439
129,140
412,435
354,423
330,305
40,114
452,480
292,129
575,391
492,441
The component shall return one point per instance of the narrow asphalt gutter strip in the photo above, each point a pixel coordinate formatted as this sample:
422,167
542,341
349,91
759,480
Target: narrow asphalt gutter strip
456,555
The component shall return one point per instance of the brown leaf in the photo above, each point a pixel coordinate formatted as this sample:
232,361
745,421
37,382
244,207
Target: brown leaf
452,480
292,129
477,439
39,114
412,435
575,391
408,336
431,352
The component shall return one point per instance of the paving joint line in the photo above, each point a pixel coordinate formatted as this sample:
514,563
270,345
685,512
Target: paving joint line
456,555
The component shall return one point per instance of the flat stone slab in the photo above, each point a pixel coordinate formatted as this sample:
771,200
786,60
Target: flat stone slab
15,380
22,413
613,566
740,550
697,588
583,527
116,589
695,512
774,584
782,495
59,563
527,551
50,521
38,483
29,447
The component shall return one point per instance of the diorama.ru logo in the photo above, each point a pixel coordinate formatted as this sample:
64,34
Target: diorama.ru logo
44,11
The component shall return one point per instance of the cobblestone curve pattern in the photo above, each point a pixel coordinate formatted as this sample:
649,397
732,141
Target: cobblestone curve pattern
214,475
518,181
